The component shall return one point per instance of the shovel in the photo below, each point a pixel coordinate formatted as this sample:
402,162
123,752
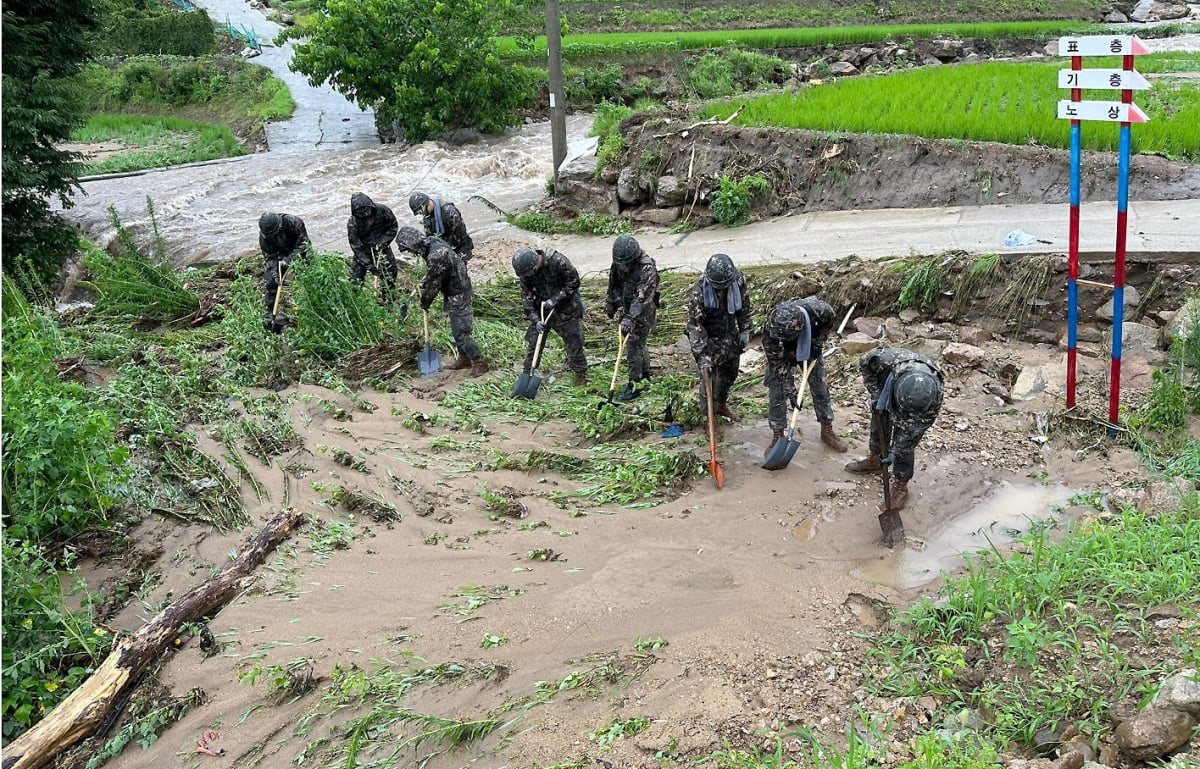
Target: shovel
889,519
714,467
527,385
783,450
276,326
428,360
612,387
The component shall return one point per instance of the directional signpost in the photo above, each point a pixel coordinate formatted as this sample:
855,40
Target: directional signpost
1125,112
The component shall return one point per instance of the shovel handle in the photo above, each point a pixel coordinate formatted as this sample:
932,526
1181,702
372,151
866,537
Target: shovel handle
425,318
800,395
617,366
885,439
541,342
278,290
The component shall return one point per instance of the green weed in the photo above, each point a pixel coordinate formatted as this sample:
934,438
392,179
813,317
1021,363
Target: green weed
620,727
923,285
145,722
733,199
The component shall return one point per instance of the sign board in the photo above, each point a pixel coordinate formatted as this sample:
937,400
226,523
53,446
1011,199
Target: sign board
1101,45
1108,111
1102,79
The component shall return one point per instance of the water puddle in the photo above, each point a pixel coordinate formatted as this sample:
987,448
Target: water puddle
805,530
1004,516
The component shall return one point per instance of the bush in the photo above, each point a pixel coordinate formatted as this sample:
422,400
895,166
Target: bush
333,315
163,32
732,201
725,73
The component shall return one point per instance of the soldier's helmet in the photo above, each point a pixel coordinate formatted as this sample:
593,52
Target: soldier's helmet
411,239
785,320
720,271
417,202
525,262
270,223
626,250
915,391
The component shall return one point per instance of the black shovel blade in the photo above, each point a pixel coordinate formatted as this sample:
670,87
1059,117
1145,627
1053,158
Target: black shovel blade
780,454
428,361
526,386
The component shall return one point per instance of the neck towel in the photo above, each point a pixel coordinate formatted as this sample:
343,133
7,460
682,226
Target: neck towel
437,218
804,339
884,403
733,297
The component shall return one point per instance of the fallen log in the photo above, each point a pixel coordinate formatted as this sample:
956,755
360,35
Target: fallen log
710,121
85,709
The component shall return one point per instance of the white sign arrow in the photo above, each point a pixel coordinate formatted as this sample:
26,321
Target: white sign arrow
1102,79
1101,45
1108,111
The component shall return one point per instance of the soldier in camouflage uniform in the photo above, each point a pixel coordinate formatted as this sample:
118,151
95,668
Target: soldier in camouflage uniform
795,332
718,328
550,284
370,230
281,238
444,221
633,289
446,274
906,394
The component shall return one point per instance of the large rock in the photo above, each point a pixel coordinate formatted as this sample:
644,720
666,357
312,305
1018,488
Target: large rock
959,354
670,191
858,343
1043,379
1131,299
1154,732
870,325
579,191
1138,339
662,217
973,335
1184,321
631,191
1153,10
1180,692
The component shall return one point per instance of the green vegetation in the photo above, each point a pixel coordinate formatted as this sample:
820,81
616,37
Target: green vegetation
629,43
151,28
159,141
1006,102
732,201
424,68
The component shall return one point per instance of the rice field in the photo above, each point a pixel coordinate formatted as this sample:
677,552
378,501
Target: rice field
1010,102
153,141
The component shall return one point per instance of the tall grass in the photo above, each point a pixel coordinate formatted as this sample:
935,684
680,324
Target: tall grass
159,141
1010,102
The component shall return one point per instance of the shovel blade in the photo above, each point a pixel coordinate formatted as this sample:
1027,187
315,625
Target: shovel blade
526,386
714,468
428,361
780,454
892,527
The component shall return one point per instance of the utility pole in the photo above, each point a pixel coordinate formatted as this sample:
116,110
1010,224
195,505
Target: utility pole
558,106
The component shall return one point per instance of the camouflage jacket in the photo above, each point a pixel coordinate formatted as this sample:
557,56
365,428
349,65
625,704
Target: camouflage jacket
907,426
453,230
633,289
557,280
286,243
781,353
445,273
714,331
374,232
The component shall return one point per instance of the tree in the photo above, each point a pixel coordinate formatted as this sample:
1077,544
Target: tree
45,43
428,67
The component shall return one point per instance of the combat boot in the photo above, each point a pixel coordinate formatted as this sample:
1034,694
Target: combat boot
723,410
869,465
479,367
776,435
459,363
899,493
581,379
831,439
629,393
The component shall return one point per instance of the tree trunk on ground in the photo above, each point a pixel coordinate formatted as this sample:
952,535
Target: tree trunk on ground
86,708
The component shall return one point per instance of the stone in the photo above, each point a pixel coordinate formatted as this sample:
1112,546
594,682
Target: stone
908,315
1180,692
1131,300
1164,496
946,50
1182,323
858,343
1089,332
1043,379
630,190
974,335
1137,373
670,191
959,354
1154,732
869,325
893,329
1139,339
661,216
843,69
1115,17
1153,10
930,347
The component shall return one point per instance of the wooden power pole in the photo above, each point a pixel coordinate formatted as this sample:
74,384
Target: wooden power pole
558,105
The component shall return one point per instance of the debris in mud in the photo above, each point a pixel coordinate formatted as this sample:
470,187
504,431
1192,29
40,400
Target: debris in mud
376,509
545,554
383,361
346,459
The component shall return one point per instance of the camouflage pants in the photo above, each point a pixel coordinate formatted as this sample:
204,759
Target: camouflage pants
635,347
271,283
780,389
724,374
462,325
905,432
570,330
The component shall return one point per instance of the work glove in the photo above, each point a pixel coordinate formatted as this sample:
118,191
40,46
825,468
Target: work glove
744,339
539,327
548,306
792,399
888,460
610,311
626,325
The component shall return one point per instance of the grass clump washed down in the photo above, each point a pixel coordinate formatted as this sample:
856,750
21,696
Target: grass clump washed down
1010,102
